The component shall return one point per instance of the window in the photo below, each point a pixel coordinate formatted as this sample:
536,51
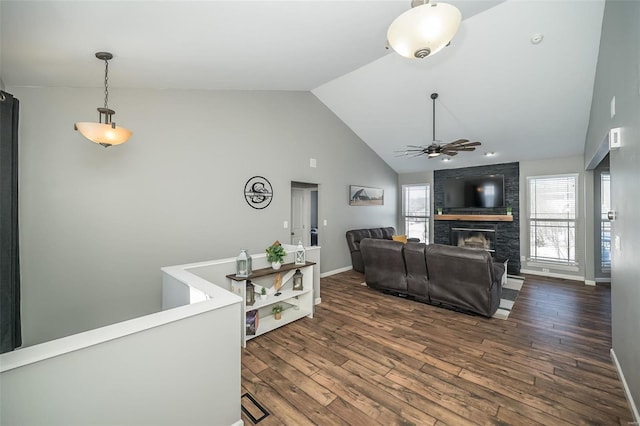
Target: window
552,218
415,211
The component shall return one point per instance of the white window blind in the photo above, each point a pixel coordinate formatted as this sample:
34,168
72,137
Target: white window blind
552,205
416,211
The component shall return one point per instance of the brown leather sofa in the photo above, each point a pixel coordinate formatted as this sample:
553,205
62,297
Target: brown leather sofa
354,237
454,277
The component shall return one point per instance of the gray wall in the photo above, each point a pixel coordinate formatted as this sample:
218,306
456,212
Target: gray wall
97,224
618,74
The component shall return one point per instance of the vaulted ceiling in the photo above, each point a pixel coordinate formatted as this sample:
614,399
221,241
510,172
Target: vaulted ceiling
523,101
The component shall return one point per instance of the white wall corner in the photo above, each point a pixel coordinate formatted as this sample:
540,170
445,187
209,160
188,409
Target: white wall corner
627,391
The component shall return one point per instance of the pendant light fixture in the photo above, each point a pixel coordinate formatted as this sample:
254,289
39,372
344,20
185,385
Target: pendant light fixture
105,134
424,29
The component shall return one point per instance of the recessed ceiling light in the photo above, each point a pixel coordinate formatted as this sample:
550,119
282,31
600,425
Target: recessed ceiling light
537,38
489,154
446,159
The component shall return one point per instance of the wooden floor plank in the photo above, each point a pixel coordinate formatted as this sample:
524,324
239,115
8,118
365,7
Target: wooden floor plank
370,358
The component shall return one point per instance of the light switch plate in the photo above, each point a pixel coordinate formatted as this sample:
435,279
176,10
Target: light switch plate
615,141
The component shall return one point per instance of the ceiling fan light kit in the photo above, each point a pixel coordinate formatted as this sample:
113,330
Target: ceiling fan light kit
424,29
105,134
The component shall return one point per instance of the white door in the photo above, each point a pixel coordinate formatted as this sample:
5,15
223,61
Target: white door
300,216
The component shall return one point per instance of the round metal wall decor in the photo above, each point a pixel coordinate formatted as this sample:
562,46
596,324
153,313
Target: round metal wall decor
258,192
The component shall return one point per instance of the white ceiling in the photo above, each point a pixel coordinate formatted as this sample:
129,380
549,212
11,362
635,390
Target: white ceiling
522,101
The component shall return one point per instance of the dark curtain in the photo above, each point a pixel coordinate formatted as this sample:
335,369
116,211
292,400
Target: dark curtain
10,330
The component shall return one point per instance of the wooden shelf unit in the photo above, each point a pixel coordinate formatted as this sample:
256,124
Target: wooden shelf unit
297,304
475,217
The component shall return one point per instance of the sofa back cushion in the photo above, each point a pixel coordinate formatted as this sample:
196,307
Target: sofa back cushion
384,264
462,277
355,236
382,233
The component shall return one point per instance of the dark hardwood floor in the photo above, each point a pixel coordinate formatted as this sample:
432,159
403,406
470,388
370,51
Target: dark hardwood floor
369,358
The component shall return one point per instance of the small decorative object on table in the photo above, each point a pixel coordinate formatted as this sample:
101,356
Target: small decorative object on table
300,258
243,264
297,280
263,293
277,283
250,293
439,209
276,254
277,311
509,210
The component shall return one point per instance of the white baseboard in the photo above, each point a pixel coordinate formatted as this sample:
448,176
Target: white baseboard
627,392
317,301
335,271
552,275
238,423
589,282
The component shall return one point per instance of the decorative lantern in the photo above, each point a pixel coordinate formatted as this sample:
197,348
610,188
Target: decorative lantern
297,280
243,264
250,293
300,258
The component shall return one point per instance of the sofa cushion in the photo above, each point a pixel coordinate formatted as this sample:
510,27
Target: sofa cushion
384,262
464,278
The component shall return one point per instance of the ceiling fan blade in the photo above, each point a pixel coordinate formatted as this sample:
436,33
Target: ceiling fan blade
450,153
458,144
465,149
459,141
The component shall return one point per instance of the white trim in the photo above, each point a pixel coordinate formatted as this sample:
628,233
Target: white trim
335,271
552,275
553,265
589,282
627,391
603,280
238,423
317,301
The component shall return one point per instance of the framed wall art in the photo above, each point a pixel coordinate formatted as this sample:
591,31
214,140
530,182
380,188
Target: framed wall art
365,196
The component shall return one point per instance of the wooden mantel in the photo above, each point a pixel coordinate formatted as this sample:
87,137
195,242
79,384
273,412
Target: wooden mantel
475,217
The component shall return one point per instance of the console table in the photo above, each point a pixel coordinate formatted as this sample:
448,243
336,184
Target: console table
296,303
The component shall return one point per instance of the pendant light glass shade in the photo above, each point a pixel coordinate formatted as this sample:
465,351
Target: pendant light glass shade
424,30
104,132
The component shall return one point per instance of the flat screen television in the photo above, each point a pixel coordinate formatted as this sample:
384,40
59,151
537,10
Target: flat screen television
474,192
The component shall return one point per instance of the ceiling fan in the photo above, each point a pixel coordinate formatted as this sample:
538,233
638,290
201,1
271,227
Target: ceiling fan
436,149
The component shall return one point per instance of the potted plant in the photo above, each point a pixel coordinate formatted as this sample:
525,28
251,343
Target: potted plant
263,293
277,311
509,211
276,254
439,210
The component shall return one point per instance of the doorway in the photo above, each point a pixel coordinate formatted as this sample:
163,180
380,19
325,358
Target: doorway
304,213
602,231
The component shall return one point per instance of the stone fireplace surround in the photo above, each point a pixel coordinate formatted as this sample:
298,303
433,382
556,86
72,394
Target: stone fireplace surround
507,235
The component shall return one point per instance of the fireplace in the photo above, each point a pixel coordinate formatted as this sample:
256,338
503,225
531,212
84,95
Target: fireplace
477,238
